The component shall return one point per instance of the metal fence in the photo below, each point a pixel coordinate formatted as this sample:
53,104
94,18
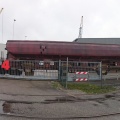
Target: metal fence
64,71
76,71
30,69
90,72
112,76
61,70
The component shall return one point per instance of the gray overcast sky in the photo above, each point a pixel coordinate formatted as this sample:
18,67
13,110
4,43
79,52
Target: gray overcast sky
59,19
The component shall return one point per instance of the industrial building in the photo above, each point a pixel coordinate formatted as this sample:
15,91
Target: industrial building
98,40
3,52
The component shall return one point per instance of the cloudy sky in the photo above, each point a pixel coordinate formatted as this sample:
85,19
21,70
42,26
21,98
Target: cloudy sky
58,19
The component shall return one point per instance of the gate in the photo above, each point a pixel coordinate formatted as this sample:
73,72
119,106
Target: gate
30,69
83,71
64,73
75,71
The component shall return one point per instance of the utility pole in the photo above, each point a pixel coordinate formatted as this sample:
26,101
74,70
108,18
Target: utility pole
81,28
2,22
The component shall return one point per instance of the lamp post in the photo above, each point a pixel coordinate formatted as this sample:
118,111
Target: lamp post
13,28
25,37
2,22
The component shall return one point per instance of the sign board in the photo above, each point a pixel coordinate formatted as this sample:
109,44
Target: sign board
41,63
51,62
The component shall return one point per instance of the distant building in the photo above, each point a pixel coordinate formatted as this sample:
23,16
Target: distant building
3,52
98,40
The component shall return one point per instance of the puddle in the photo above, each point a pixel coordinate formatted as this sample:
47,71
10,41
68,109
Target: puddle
109,96
72,99
59,100
5,107
95,104
101,100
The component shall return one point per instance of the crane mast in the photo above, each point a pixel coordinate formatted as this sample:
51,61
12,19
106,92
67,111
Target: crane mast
1,10
81,28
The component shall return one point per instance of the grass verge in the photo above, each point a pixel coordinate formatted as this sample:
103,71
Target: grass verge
90,88
56,85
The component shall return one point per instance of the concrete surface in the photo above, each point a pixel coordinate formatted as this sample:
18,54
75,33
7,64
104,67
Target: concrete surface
40,99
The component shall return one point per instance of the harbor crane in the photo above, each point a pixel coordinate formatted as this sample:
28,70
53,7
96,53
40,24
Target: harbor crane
81,28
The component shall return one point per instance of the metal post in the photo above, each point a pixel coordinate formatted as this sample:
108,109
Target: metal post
59,72
101,74
88,76
66,73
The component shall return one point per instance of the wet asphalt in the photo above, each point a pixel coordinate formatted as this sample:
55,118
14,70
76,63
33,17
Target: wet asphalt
39,100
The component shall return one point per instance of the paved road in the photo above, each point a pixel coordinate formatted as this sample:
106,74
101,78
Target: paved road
40,99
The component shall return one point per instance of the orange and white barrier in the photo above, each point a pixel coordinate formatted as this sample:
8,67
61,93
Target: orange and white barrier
81,73
81,79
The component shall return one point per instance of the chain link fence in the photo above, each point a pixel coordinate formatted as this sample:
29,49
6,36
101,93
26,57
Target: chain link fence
75,71
30,69
98,73
63,71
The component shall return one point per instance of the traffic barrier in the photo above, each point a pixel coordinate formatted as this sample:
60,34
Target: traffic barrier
81,73
81,79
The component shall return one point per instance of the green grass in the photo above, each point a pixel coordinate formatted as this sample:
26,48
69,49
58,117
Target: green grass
90,88
56,85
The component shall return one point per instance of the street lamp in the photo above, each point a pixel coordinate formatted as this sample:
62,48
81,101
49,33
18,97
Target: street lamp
2,22
13,28
25,37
